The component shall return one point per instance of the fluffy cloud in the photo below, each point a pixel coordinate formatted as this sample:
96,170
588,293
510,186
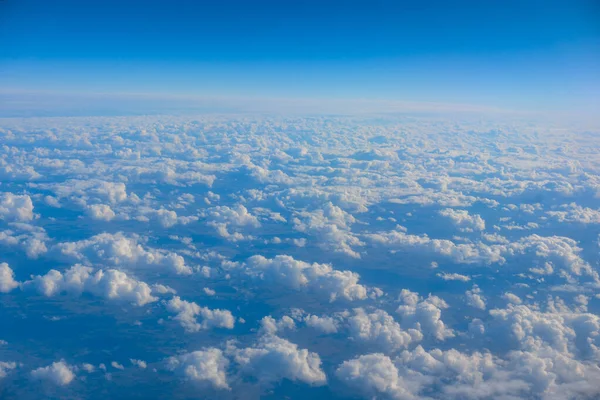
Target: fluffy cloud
16,207
59,373
110,284
120,250
187,313
231,222
475,298
7,278
463,220
374,375
424,314
5,367
300,275
208,366
330,228
273,359
324,324
101,212
380,329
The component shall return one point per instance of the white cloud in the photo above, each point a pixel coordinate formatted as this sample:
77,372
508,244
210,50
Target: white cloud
208,366
475,298
110,284
453,277
379,328
424,314
7,279
269,325
230,223
58,373
101,212
374,375
463,220
116,365
330,228
138,363
6,366
300,275
273,359
324,324
187,312
16,207
120,250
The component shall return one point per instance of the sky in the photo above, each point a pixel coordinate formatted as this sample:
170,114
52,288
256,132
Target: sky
512,55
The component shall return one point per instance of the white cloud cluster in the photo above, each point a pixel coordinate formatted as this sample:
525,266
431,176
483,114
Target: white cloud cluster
300,275
16,207
7,279
187,313
330,229
208,366
58,373
111,284
504,207
5,367
463,220
424,314
273,359
121,251
230,223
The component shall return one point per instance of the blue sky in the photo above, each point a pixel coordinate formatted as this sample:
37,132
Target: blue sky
535,56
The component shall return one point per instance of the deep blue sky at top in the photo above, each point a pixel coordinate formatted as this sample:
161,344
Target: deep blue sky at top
536,54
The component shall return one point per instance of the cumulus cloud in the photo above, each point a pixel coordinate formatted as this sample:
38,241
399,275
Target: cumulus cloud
7,279
58,373
16,207
300,275
230,223
464,221
374,375
120,250
110,284
188,312
381,330
273,359
475,298
330,228
324,324
127,201
101,212
5,367
207,366
424,314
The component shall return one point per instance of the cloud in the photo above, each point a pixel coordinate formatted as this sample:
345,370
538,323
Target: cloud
207,366
120,250
230,223
110,284
273,359
380,329
453,277
373,375
101,212
330,228
5,367
16,207
187,312
300,275
463,220
424,314
475,298
7,279
59,373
